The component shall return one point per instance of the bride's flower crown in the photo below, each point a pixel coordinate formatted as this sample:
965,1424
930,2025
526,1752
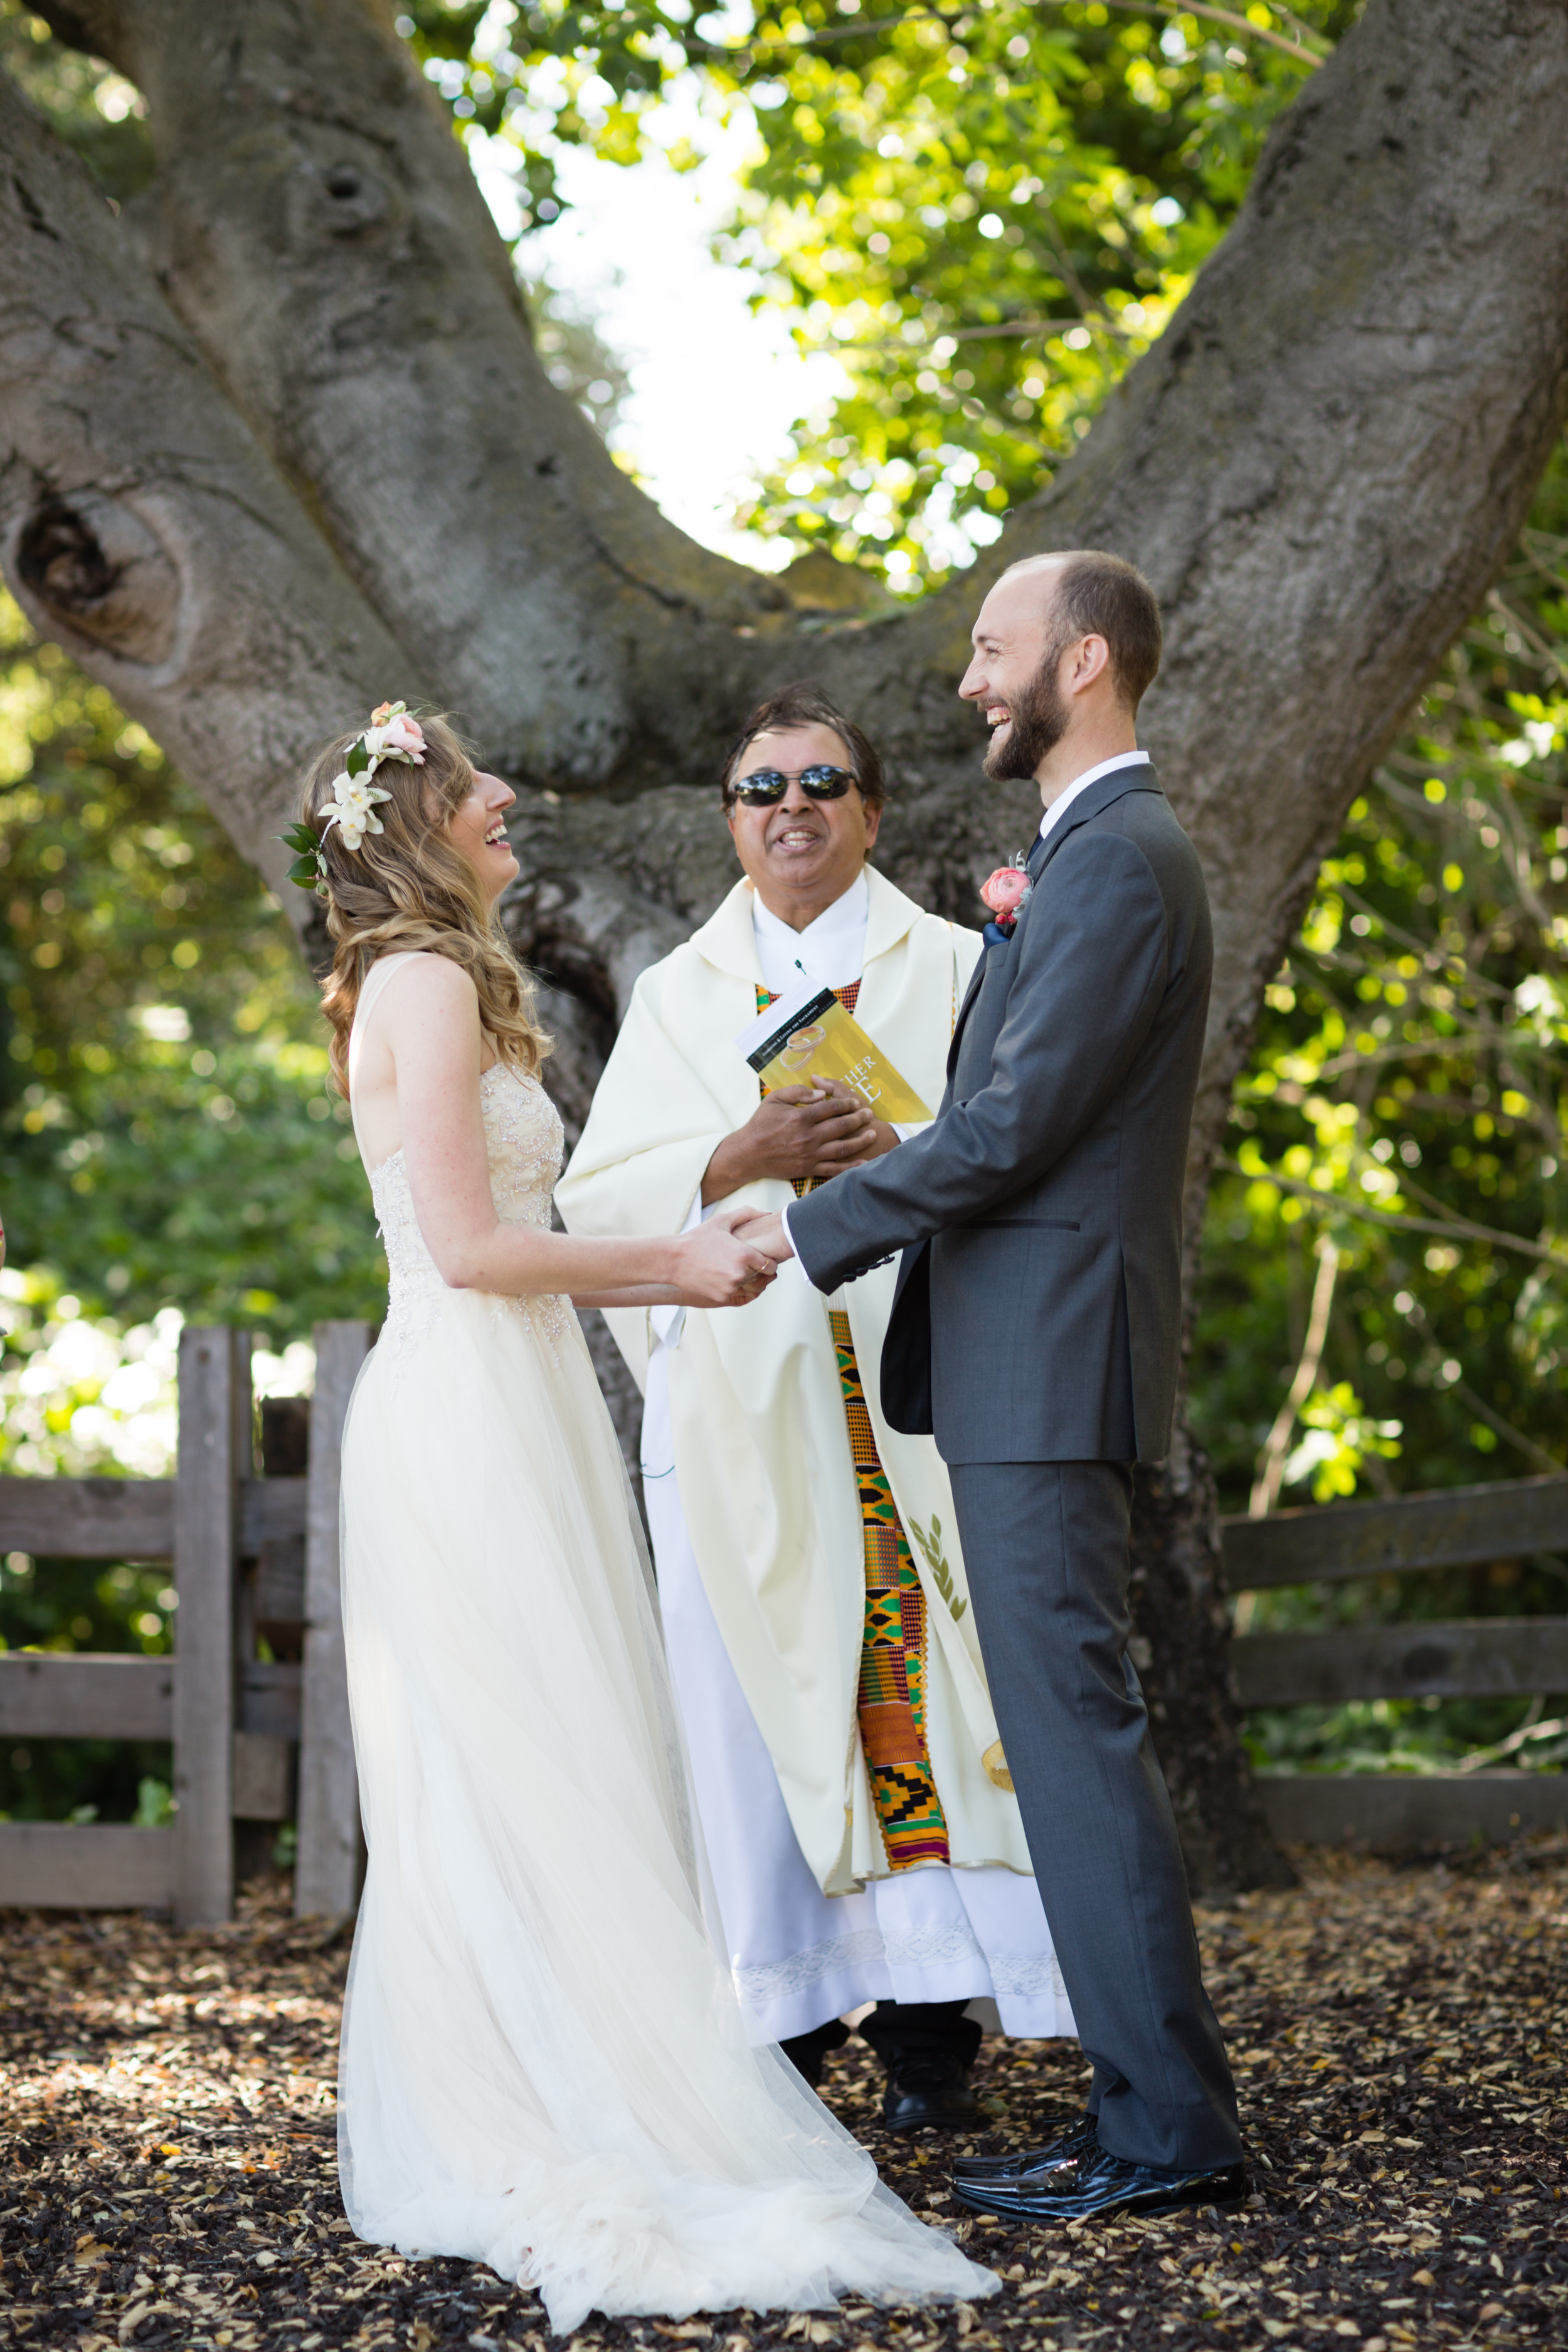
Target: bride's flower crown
390,735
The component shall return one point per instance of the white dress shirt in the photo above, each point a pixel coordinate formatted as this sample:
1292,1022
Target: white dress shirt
1064,801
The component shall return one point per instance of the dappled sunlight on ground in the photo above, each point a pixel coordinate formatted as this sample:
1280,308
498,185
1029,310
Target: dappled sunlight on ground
169,2178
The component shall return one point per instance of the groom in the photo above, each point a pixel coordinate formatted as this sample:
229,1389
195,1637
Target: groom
1037,1331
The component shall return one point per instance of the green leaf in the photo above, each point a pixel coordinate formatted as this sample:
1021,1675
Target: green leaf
358,759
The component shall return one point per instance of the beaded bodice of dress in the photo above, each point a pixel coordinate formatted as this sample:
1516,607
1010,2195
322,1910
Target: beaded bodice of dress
523,1141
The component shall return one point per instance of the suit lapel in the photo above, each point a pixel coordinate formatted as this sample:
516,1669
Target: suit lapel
1139,777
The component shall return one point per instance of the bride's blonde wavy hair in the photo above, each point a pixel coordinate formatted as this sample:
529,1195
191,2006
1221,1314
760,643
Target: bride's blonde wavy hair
406,888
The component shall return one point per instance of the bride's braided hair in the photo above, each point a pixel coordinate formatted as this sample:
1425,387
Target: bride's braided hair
406,888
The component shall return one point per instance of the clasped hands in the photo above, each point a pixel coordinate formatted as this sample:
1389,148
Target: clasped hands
806,1132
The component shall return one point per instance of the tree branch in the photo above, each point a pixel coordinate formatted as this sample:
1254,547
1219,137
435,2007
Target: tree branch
1449,1228
1271,1460
1309,50
1326,458
318,229
141,526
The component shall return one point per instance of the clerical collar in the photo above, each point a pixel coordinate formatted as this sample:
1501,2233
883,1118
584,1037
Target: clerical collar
1064,801
830,951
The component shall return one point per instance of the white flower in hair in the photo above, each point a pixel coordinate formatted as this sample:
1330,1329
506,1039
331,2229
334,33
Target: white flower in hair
354,815
390,735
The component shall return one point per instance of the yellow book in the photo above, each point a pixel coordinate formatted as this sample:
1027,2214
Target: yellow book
809,1034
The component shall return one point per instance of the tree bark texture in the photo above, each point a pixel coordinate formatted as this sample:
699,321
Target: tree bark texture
276,444
141,522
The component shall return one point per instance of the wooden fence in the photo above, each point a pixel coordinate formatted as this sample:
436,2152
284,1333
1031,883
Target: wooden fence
1504,1657
254,1742
258,1743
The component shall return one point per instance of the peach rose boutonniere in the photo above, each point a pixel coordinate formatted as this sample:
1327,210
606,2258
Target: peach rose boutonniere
1006,892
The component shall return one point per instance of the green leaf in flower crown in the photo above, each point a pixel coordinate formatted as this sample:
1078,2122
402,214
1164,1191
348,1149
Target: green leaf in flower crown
358,759
300,839
305,872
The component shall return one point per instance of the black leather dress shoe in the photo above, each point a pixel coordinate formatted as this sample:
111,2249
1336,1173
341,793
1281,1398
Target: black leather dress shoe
939,2098
1028,2168
1097,2185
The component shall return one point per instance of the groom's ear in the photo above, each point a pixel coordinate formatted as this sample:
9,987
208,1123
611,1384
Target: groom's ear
873,821
1091,660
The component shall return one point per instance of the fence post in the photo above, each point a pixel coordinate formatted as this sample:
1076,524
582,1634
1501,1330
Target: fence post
215,1449
326,1870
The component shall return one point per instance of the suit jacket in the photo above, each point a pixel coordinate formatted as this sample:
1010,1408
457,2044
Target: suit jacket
1039,1305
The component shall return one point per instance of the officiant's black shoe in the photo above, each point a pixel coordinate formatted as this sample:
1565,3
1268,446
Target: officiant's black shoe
1030,2168
1097,2185
932,2098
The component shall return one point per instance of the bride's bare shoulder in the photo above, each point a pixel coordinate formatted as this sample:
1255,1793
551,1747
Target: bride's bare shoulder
430,986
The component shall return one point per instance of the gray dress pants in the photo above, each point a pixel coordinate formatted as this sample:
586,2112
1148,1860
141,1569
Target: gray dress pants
1045,1549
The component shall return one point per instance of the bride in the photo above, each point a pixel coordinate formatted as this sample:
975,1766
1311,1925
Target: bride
544,2066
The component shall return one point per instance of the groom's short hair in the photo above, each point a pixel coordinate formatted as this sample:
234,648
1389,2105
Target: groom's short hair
1102,595
807,704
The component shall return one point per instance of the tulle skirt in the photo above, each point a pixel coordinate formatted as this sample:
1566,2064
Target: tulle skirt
543,2063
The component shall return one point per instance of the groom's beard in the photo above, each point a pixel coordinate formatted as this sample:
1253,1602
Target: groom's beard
1039,720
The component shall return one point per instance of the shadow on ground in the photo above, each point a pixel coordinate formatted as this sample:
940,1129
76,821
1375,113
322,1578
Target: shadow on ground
168,2178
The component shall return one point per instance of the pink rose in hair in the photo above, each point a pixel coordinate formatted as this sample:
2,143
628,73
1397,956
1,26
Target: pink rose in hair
392,735
404,734
1005,890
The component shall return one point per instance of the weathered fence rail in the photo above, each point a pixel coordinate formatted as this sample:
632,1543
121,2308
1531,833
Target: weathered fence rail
254,1741
1455,1527
1463,1527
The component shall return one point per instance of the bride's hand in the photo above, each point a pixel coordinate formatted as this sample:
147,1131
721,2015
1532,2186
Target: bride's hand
715,1269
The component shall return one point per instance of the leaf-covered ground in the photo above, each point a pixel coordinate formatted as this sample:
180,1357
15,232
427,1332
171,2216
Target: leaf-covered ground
167,2178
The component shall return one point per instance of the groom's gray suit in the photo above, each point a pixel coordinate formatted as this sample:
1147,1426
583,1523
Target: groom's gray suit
1037,1332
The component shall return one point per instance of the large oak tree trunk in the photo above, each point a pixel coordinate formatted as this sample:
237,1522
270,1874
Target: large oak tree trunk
277,443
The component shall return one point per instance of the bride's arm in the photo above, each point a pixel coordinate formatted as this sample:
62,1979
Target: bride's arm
635,1294
432,1027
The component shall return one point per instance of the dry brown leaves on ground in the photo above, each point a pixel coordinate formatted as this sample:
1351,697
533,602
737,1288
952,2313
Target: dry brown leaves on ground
168,2179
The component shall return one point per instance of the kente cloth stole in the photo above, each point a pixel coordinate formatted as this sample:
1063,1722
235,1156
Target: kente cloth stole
893,1642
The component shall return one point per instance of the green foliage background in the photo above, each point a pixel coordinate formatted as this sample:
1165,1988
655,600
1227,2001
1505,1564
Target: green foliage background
167,1136
987,213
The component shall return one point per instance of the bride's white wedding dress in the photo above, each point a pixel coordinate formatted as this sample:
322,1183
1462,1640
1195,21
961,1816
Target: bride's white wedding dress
544,2066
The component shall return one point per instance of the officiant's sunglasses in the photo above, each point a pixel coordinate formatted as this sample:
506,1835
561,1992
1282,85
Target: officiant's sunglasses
766,786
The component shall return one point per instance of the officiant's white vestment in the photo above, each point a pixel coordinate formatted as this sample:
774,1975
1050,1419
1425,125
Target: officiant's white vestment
766,1521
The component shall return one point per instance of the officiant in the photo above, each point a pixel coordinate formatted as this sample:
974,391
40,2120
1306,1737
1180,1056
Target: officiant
865,1843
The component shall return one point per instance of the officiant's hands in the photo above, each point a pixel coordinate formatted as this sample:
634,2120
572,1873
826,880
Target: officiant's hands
815,1130
716,1267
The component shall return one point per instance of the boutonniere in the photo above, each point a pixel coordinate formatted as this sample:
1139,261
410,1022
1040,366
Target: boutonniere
1007,893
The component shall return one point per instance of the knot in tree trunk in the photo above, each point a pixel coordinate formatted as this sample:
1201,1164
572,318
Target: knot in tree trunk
102,573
